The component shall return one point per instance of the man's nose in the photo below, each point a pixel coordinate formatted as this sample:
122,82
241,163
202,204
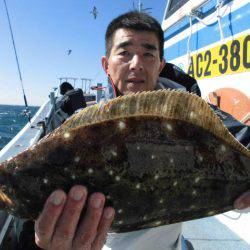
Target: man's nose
136,63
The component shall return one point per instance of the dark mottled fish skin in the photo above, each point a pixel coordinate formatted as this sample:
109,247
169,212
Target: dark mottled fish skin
154,171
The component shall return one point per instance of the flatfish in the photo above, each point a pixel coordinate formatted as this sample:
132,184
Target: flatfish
160,157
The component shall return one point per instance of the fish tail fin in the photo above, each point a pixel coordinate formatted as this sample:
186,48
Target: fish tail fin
5,200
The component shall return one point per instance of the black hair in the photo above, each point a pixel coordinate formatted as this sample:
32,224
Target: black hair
65,87
138,21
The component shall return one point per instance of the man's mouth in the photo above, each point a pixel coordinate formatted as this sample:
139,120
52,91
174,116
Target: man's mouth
135,80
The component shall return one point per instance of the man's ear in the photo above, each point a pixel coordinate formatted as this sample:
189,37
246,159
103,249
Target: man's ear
163,62
105,64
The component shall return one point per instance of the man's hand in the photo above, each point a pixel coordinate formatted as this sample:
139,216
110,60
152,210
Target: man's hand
243,201
58,226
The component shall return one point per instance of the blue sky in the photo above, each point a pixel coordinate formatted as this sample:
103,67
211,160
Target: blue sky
44,30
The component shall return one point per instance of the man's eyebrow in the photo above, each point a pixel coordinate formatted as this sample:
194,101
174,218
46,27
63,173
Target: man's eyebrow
149,46
123,44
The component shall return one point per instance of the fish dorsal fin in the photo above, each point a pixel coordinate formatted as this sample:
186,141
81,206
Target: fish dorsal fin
170,104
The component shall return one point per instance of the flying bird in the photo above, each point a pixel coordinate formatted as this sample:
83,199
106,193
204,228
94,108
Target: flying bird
94,12
69,51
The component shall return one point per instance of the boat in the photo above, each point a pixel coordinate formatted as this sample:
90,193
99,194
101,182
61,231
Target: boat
210,40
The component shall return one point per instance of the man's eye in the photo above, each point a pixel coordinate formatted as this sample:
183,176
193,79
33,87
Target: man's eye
148,54
124,53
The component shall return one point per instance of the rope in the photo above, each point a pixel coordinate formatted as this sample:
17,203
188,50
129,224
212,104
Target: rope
97,74
26,111
232,218
189,38
218,7
200,20
218,15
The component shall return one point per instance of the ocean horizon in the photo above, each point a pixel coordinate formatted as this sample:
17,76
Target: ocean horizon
12,120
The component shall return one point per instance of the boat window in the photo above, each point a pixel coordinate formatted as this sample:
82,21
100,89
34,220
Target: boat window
173,6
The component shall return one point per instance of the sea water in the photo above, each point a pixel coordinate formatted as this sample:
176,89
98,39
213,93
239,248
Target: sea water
12,120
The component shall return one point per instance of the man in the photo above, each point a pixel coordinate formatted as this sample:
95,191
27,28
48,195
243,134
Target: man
68,103
133,61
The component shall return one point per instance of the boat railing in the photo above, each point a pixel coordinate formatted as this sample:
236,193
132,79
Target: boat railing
41,123
33,131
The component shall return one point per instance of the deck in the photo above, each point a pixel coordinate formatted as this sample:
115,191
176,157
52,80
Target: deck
229,231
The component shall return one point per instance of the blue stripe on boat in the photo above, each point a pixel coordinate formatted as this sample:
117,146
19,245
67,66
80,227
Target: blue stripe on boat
235,22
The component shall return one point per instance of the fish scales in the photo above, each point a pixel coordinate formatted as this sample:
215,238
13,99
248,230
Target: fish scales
156,165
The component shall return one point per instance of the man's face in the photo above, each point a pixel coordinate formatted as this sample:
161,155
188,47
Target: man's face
134,62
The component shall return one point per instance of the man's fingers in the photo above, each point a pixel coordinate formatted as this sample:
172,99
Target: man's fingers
56,227
45,224
243,201
103,228
87,230
67,223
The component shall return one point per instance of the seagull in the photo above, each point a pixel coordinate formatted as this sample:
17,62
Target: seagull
94,12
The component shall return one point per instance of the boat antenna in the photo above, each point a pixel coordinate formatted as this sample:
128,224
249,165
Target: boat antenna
26,111
141,9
